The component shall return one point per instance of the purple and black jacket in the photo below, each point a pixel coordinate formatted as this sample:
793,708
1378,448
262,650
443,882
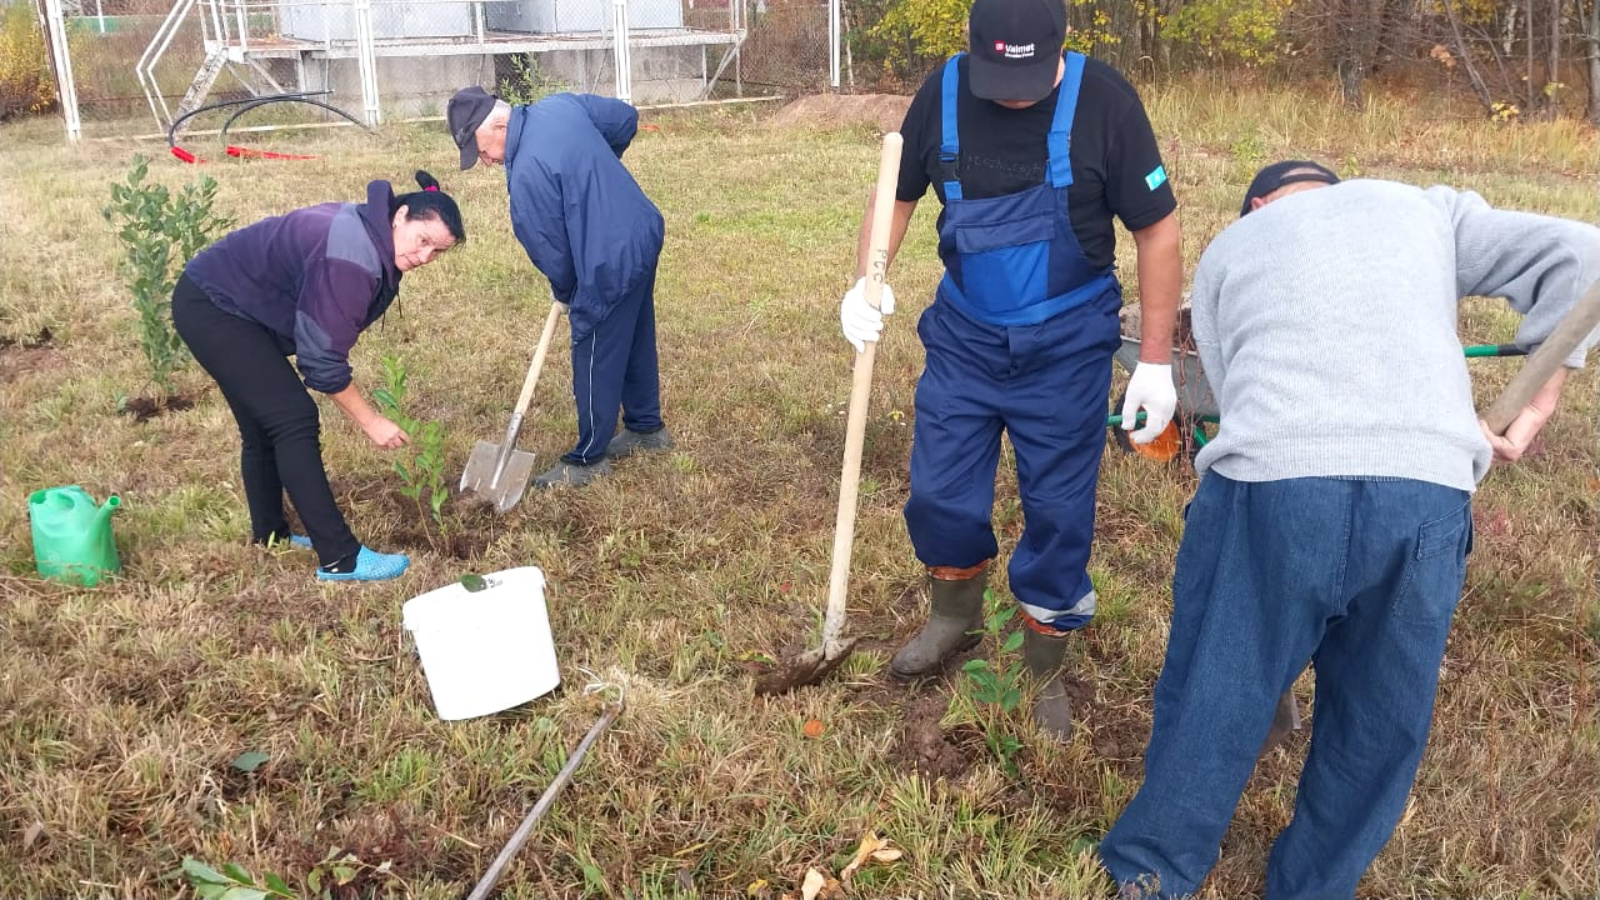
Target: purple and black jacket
316,278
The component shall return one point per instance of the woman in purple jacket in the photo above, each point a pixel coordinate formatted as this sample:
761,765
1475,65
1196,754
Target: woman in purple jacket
306,284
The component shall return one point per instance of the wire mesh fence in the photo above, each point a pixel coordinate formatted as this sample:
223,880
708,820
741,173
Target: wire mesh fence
138,63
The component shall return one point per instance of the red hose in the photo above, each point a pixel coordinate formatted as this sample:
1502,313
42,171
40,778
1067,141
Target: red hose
246,153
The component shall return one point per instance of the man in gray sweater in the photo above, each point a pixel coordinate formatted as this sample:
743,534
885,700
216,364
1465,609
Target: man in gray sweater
1333,518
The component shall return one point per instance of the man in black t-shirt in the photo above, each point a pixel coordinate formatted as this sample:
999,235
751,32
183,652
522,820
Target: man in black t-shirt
1031,152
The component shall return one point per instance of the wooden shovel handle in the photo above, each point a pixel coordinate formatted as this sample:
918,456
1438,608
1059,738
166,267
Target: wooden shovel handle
539,354
1543,362
860,388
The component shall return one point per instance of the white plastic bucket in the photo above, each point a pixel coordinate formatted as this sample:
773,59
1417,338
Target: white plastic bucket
485,651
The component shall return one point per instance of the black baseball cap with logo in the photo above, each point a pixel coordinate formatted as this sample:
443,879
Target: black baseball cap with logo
467,110
1016,48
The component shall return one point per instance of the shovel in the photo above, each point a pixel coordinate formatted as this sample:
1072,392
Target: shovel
499,473
812,665
1545,360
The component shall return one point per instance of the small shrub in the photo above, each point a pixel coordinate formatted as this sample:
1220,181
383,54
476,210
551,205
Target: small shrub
160,232
529,82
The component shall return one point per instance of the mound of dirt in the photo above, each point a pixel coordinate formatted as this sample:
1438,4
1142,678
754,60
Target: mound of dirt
886,112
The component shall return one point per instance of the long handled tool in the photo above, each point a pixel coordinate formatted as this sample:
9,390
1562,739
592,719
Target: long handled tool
546,800
499,473
1544,361
812,665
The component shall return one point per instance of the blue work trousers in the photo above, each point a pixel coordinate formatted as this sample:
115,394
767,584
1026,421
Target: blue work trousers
1361,578
614,366
1045,385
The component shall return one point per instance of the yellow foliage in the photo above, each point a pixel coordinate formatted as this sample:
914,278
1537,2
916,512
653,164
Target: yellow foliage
25,86
938,28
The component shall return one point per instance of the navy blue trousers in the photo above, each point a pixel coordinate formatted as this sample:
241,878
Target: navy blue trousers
1047,386
614,367
1361,578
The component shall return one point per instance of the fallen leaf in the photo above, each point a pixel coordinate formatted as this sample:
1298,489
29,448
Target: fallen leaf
250,760
32,834
873,848
813,728
756,888
686,881
813,885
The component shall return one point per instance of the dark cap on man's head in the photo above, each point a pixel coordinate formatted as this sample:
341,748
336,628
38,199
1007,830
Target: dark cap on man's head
467,110
1280,174
1016,48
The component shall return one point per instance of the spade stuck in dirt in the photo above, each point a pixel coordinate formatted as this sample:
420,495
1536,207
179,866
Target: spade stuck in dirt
814,664
499,473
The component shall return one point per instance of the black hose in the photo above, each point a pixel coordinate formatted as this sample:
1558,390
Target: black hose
172,131
285,98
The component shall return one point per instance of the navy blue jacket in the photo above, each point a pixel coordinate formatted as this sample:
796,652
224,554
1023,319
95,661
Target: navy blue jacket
316,278
583,220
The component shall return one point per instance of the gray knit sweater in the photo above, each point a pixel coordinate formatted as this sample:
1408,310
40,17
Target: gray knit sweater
1326,323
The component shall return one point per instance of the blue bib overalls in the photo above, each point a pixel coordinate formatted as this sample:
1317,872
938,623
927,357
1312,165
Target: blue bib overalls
1019,339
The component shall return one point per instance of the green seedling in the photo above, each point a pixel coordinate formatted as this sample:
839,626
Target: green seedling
422,470
995,688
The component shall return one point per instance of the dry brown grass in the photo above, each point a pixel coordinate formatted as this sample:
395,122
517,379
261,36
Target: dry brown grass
122,708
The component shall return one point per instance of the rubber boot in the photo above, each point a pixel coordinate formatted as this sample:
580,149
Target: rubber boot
1043,653
1284,721
955,621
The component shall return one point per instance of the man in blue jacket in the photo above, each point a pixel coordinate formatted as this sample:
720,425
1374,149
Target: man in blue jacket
587,225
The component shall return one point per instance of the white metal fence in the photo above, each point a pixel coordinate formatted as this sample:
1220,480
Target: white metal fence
126,62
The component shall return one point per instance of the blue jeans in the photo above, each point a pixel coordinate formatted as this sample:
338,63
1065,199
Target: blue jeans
1361,578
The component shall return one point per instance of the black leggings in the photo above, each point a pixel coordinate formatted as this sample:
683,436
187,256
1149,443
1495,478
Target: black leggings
278,423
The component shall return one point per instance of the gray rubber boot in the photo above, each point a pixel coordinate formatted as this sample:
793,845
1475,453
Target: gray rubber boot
630,442
1284,722
565,473
955,623
1052,709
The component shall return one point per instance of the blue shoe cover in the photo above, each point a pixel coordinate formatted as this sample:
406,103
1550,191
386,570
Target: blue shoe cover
370,566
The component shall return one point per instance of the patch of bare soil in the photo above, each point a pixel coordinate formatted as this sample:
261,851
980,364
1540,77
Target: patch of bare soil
932,751
886,112
470,522
34,353
143,409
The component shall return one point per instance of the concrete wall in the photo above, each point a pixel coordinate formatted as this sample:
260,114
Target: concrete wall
410,87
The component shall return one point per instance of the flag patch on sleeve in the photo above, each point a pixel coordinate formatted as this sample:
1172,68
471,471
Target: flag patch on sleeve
1157,177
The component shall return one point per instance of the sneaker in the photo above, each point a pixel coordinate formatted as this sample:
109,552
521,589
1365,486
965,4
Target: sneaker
370,566
630,442
300,540
564,472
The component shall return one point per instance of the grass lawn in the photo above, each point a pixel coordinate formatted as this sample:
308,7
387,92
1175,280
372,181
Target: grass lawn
122,709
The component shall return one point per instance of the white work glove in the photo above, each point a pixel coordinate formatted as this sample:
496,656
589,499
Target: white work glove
1152,390
860,321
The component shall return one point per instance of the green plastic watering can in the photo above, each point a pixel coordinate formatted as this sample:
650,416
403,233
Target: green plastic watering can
72,539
